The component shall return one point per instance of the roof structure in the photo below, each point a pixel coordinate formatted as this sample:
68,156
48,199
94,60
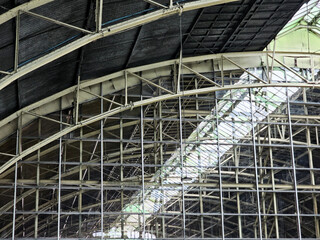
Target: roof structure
143,119
307,16
246,25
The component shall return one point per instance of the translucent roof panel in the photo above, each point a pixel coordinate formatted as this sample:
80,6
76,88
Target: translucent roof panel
308,14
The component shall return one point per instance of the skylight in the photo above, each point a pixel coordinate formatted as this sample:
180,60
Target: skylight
308,15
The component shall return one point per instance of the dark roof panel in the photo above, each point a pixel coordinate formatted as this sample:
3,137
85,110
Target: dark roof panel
245,25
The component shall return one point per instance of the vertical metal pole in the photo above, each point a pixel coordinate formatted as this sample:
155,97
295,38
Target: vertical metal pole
155,138
219,167
171,3
180,57
156,149
255,164
236,161
121,176
99,8
272,63
59,174
126,88
18,150
80,178
222,72
36,221
236,158
16,58
182,168
317,136
65,145
200,163
312,68
178,79
311,166
267,62
142,167
263,194
274,196
163,223
293,163
101,163
77,101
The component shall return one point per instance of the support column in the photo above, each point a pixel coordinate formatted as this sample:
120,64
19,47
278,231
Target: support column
17,41
18,151
293,162
121,177
163,222
142,168
200,163
219,169
255,164
101,164
36,220
312,178
99,8
59,175
263,194
80,178
182,168
274,196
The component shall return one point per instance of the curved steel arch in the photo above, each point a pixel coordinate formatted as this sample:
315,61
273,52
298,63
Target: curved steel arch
116,81
105,32
12,13
120,109
224,88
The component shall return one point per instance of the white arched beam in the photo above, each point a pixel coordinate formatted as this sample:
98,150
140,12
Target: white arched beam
105,32
117,110
12,13
116,81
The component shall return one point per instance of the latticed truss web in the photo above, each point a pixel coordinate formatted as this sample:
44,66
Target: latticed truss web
237,162
213,147
229,123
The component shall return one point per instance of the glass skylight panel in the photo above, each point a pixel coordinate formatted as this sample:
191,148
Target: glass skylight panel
302,14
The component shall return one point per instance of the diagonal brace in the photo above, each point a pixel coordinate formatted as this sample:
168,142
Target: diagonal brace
103,98
5,72
155,3
47,118
201,76
243,69
151,83
57,22
289,69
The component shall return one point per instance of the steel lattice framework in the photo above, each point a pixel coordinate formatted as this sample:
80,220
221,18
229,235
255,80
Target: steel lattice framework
100,32
212,147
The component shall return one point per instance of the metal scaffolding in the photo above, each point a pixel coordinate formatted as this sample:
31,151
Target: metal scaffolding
211,147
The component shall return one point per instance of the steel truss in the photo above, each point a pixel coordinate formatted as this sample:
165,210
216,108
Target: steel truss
225,146
90,36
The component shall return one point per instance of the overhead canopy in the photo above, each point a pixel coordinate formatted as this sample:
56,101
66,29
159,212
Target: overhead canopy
246,25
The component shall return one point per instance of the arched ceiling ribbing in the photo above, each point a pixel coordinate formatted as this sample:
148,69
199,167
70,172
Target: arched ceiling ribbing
238,26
